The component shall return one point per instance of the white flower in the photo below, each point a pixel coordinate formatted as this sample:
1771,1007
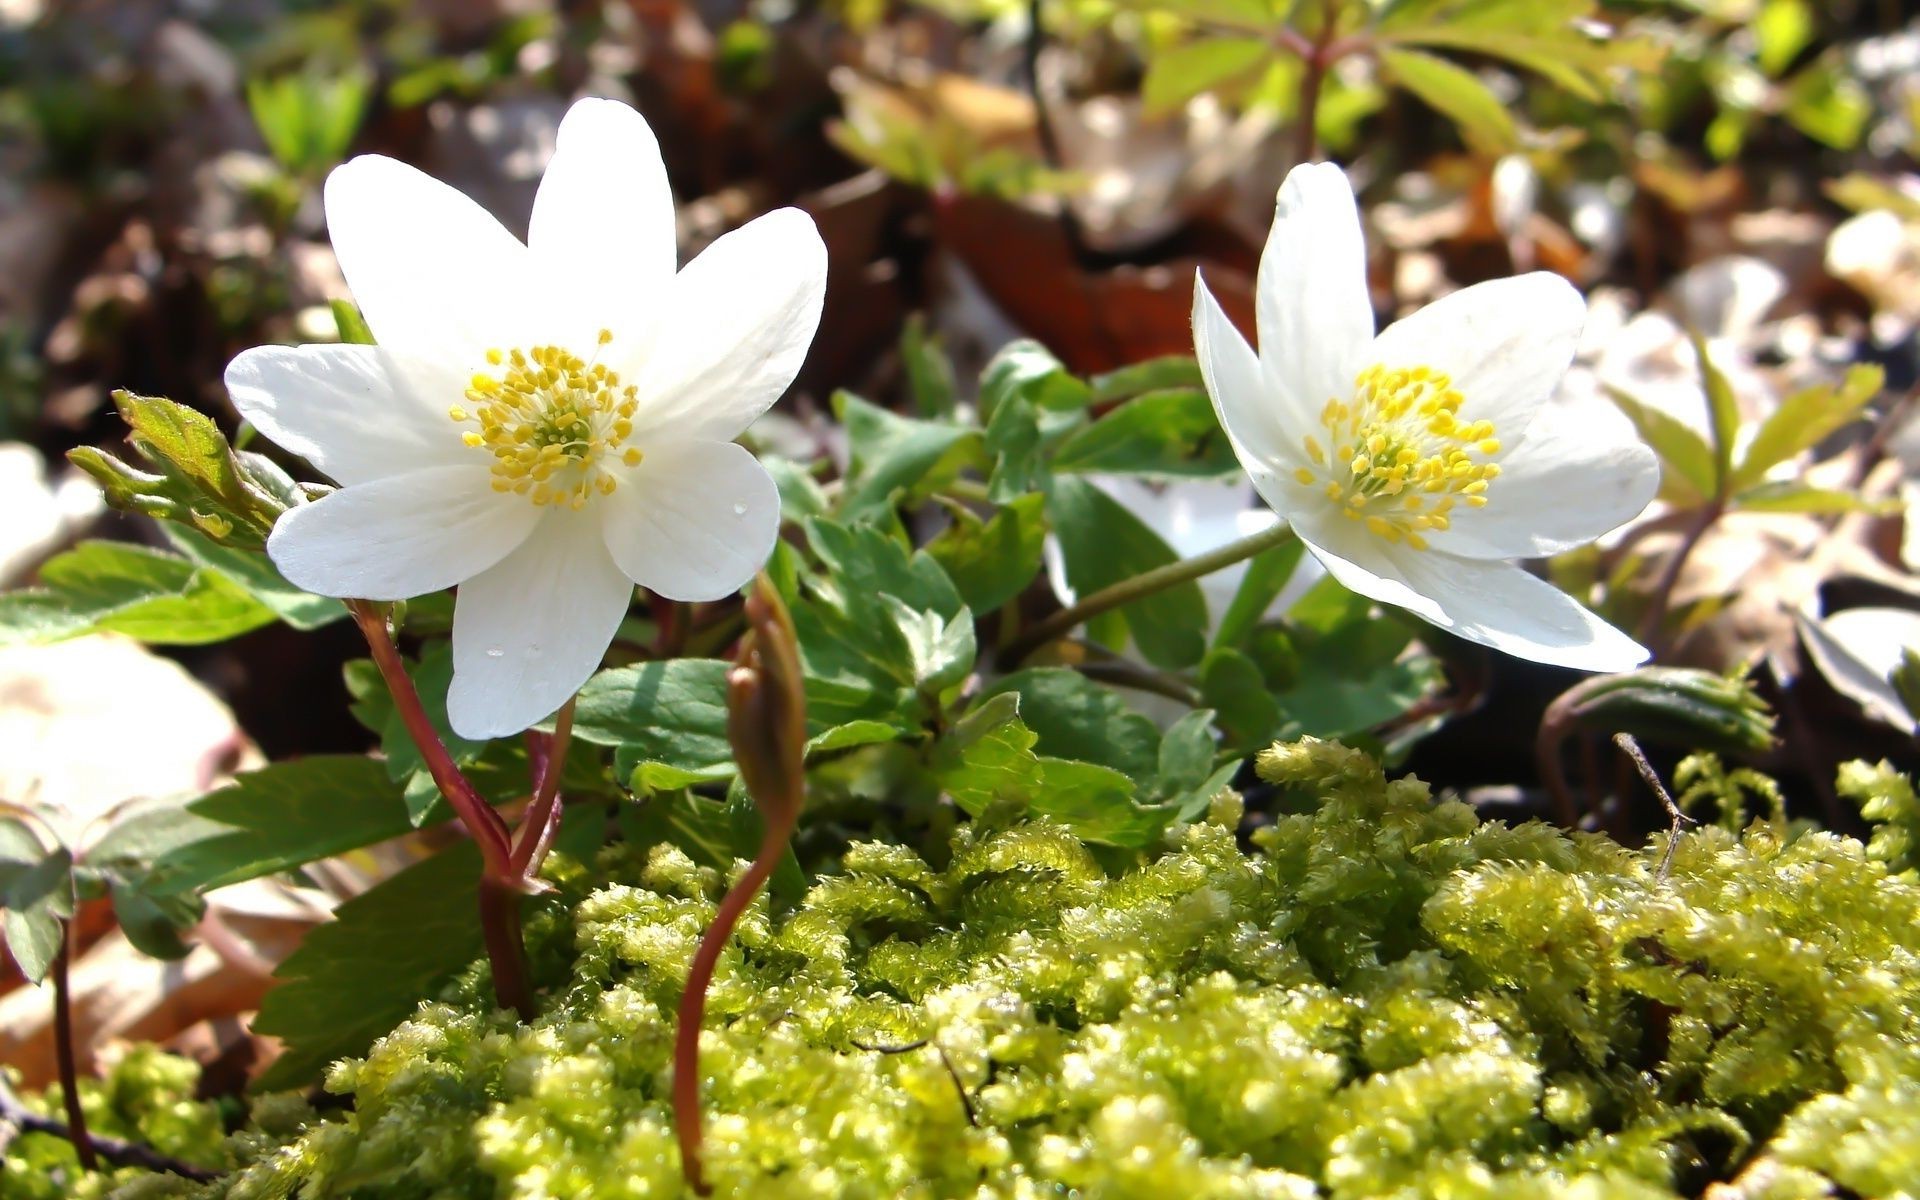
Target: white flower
1416,463
544,424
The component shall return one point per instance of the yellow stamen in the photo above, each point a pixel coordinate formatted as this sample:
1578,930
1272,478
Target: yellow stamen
555,424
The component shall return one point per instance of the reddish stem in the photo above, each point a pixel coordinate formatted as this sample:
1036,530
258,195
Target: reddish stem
501,884
486,826
63,1052
693,1000
543,815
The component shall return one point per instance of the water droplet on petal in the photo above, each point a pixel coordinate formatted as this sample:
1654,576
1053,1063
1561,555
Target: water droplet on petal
739,509
495,652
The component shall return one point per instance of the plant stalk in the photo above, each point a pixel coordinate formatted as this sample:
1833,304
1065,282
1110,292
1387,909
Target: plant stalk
63,1052
1662,597
693,999
543,815
501,883
1140,586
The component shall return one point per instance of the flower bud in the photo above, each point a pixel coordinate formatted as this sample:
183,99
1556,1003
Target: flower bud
767,708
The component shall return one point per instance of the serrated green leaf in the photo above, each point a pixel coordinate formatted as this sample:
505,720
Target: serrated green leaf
115,587
672,713
987,756
38,901
278,818
1170,433
993,561
1104,543
1804,420
1074,717
1178,75
259,577
1186,754
1029,371
1457,94
230,496
940,653
895,459
360,974
1096,803
1686,460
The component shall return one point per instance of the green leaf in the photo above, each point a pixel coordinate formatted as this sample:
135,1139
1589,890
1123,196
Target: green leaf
929,371
1267,575
1096,803
801,496
1804,420
1247,712
1186,754
897,459
1723,412
991,562
940,652
1015,444
362,973
38,900
1167,433
1028,371
672,713
851,735
231,496
307,119
1792,496
1828,104
121,588
987,755
154,923
270,820
1456,93
1170,372
1104,543
1687,462
1781,30
262,580
1178,75
1073,717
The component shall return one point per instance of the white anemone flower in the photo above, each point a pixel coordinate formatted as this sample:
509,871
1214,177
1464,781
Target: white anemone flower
544,424
1416,464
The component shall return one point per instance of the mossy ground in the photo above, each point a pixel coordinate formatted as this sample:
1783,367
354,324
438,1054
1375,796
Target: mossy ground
1386,997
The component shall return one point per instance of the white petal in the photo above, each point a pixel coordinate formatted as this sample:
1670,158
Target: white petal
1496,604
693,521
352,411
736,326
1311,296
1506,343
1574,477
1262,425
530,630
437,277
602,225
400,536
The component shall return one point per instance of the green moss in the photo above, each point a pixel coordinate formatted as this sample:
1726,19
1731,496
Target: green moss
148,1096
1386,998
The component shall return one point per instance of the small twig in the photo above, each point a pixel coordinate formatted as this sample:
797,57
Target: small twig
115,1151
960,1088
542,820
1680,820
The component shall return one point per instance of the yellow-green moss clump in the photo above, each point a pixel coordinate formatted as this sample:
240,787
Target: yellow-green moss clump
1386,998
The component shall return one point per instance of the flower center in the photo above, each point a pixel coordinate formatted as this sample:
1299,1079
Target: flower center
1402,458
554,423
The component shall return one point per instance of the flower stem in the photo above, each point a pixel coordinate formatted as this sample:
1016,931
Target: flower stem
64,1055
1140,586
1662,597
501,883
693,999
543,815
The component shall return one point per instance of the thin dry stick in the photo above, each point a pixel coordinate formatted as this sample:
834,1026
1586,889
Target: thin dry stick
113,1150
1680,820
